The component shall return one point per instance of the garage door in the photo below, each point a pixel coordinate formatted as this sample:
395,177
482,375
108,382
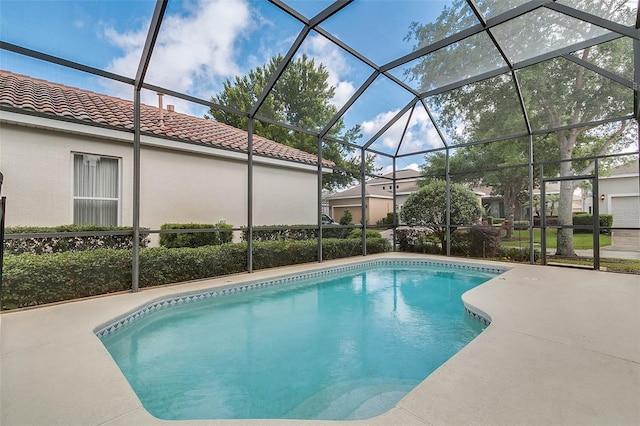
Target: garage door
626,211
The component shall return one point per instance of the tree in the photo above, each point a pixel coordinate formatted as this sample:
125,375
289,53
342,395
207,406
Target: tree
556,93
498,165
346,218
301,98
428,208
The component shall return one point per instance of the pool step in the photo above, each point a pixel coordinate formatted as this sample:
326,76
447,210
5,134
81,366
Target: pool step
353,400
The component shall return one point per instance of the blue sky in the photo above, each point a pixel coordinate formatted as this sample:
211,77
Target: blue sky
205,42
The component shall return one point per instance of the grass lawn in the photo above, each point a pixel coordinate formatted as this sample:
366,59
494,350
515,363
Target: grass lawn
580,241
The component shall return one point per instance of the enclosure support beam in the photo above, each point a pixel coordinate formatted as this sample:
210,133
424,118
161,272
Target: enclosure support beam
363,200
543,218
395,213
636,79
250,195
523,108
448,203
135,261
2,209
320,200
596,218
532,254
145,58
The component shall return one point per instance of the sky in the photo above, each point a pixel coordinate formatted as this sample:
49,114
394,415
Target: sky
203,43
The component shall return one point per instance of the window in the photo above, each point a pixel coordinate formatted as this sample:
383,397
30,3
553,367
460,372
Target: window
96,190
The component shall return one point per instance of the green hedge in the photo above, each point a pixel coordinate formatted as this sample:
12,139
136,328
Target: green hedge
357,233
30,280
516,254
63,243
606,221
417,240
476,241
389,220
293,232
196,239
498,221
521,224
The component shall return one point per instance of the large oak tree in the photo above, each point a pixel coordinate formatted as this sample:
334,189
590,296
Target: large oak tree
557,93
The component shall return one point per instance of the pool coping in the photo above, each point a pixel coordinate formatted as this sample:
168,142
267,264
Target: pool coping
555,353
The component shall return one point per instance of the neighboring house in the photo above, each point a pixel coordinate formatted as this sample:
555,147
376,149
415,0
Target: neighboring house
619,195
78,168
378,197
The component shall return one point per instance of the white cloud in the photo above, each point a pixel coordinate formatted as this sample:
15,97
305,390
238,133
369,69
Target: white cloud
344,91
389,168
325,52
420,135
371,127
413,166
194,50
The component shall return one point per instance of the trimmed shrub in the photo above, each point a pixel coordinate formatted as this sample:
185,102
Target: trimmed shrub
516,254
498,221
409,237
357,233
284,233
339,248
346,218
160,265
291,232
333,231
196,239
30,280
521,224
386,220
461,243
476,241
61,243
606,221
549,220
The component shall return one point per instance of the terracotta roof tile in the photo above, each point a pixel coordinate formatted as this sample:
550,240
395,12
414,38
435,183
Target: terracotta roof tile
19,92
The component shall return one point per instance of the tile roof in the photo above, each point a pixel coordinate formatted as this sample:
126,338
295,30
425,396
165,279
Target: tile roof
626,169
407,174
373,186
23,93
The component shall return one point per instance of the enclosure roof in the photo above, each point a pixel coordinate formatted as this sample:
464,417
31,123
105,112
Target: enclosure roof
24,94
410,76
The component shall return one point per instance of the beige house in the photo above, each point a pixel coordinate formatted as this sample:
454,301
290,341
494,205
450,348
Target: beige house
378,197
79,167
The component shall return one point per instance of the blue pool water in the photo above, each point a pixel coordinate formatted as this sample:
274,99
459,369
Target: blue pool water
342,346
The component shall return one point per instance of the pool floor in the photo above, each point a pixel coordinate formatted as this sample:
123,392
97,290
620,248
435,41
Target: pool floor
340,346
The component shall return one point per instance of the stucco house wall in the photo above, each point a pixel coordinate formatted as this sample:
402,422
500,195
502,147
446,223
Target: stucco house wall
61,145
178,183
376,208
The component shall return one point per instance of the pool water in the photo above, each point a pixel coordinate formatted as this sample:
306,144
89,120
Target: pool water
342,346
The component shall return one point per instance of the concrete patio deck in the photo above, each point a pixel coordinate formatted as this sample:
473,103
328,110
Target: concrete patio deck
563,348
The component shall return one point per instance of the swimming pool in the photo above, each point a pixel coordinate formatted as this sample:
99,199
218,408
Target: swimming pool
344,343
